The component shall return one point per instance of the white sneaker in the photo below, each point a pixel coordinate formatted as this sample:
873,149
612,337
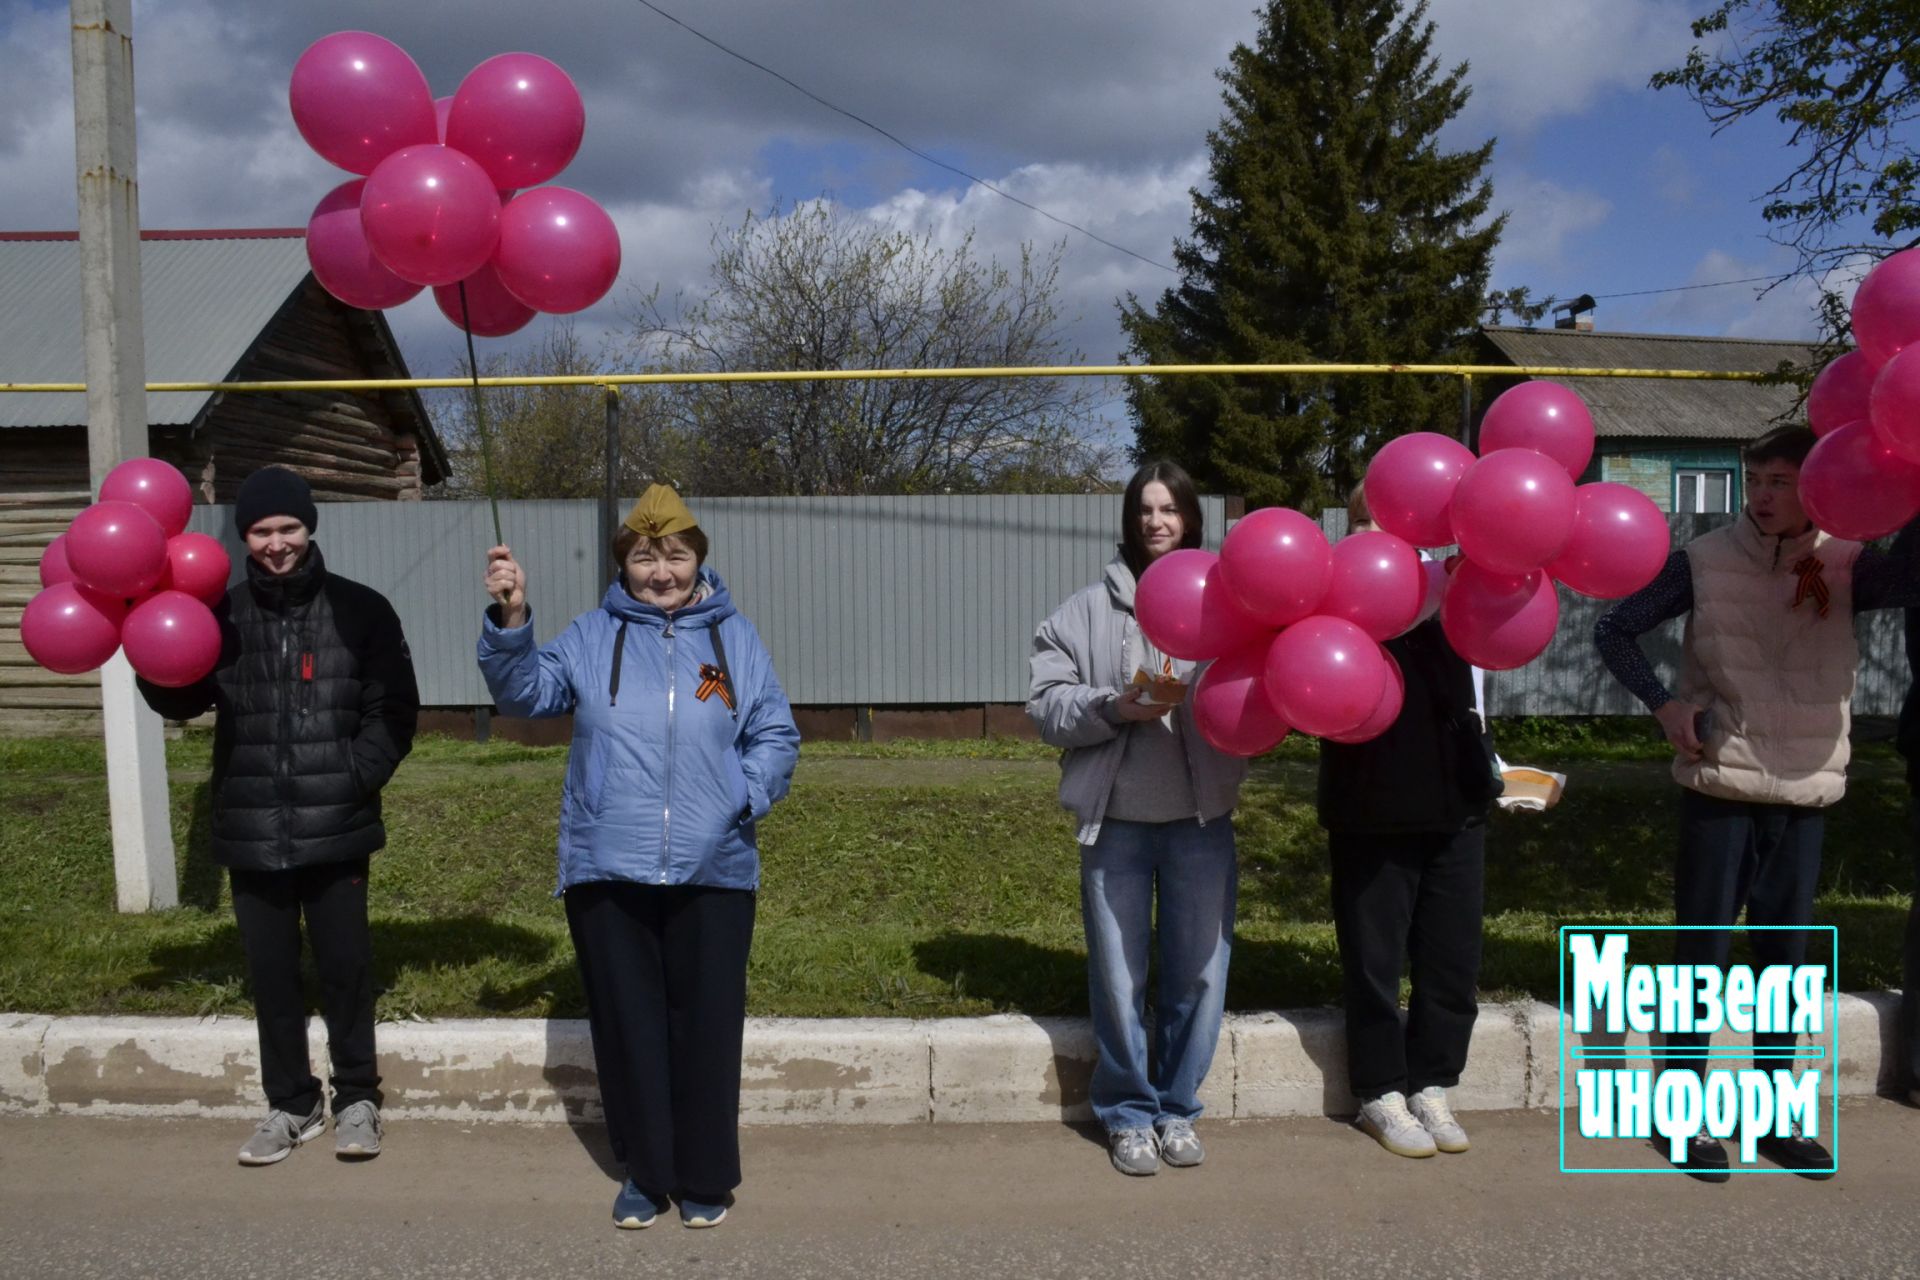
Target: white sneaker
1387,1120
1430,1108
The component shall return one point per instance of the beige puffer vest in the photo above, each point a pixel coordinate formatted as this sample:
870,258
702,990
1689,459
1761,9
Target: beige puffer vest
1777,676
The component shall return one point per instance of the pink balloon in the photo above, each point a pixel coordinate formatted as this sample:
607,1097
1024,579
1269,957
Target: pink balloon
171,639
54,568
1840,394
441,106
1620,541
358,98
1886,307
1513,510
1277,564
1185,611
1376,583
491,311
559,251
342,260
155,487
1392,699
1894,406
520,116
1325,676
431,214
69,629
198,565
1543,416
1410,484
1499,621
1855,486
1231,707
116,549
1435,573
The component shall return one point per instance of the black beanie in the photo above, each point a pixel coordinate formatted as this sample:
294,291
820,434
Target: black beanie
274,491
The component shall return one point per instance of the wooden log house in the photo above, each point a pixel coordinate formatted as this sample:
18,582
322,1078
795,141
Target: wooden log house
228,305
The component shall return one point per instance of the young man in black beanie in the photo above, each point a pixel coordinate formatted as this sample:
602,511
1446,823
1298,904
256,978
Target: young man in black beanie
315,706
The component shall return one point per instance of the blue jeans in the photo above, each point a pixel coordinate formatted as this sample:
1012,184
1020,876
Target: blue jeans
1198,878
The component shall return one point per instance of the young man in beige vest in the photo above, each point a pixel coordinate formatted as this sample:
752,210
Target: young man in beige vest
1758,726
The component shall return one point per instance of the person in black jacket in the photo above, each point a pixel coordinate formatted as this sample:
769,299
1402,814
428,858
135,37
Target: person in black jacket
1909,743
1406,831
315,706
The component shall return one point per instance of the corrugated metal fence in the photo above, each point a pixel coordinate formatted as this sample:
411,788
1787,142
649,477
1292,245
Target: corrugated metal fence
862,601
880,601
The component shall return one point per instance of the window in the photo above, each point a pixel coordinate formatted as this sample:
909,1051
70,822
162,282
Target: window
1702,492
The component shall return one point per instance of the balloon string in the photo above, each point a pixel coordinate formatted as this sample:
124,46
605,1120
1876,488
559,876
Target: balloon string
480,425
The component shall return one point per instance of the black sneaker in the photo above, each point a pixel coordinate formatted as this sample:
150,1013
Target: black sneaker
1705,1159
1797,1152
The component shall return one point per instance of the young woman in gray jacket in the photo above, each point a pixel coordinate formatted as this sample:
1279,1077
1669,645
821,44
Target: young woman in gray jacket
1154,805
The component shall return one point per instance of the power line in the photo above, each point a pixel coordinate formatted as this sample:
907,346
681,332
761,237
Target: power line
901,143
975,179
1682,288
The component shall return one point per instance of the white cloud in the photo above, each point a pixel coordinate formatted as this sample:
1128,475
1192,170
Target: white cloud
1099,117
1532,60
1143,209
1543,218
1746,310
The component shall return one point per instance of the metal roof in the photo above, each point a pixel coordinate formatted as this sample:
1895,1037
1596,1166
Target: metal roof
1662,409
206,295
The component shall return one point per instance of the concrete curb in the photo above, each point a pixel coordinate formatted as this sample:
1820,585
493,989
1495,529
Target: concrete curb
801,1070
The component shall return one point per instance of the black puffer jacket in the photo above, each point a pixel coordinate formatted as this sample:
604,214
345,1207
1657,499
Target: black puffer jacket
1432,770
316,706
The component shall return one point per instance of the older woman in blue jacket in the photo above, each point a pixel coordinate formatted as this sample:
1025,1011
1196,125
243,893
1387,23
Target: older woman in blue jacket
682,741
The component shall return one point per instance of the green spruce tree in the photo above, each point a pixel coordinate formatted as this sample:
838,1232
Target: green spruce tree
1335,229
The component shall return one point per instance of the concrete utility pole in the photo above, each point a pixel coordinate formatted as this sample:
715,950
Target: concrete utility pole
105,172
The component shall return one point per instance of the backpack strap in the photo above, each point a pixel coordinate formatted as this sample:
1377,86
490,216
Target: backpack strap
717,678
619,652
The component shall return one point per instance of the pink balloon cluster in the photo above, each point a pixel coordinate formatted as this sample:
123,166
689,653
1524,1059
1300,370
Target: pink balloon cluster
1293,627
125,574
1862,479
436,205
1290,626
1521,519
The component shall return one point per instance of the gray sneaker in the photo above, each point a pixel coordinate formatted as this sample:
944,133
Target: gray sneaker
275,1137
1179,1145
1387,1120
1134,1152
1435,1114
356,1132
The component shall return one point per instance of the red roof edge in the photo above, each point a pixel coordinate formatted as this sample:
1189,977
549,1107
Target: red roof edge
216,233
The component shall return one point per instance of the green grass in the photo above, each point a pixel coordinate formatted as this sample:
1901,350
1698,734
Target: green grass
919,879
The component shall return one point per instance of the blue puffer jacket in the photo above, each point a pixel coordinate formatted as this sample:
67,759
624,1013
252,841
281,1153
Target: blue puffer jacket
662,786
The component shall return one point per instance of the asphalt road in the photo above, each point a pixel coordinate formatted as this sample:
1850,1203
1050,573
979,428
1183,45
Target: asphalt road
83,1198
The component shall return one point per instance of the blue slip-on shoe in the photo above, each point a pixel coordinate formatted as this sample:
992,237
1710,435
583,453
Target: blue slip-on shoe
698,1212
634,1209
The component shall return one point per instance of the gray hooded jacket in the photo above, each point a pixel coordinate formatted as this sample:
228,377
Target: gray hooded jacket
1080,660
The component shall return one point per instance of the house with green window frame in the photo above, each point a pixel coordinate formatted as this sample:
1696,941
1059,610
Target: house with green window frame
1676,441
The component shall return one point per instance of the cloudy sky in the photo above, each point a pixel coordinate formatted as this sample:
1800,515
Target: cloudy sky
1096,113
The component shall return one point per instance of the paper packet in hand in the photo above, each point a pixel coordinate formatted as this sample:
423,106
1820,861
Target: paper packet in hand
1164,690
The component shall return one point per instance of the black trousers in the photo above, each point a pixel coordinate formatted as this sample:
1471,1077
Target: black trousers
1910,1000
665,970
1735,854
1396,898
268,906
